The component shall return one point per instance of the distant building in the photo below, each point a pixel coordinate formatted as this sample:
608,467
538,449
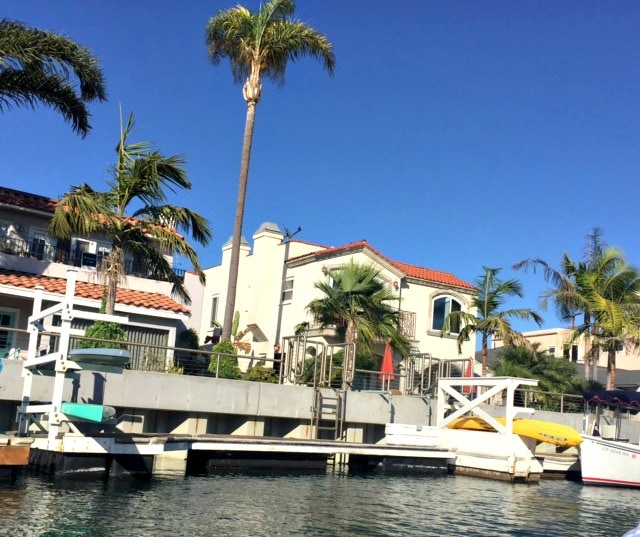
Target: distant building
557,342
276,283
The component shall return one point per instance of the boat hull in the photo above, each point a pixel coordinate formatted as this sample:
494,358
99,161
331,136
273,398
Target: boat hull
609,462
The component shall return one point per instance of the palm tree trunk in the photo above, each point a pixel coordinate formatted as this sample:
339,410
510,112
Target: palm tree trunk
114,269
611,369
485,355
237,226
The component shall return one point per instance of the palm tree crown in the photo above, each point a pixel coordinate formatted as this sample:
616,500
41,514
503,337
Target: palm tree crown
603,290
256,45
139,179
490,320
355,297
37,66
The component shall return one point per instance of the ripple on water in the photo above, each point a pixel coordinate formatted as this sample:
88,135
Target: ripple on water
313,505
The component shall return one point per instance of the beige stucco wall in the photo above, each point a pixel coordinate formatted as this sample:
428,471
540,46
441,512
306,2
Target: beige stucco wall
555,339
259,289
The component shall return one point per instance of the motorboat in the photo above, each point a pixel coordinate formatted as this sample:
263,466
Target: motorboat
606,457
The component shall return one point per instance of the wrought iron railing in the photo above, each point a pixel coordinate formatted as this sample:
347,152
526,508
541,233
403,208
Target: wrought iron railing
74,257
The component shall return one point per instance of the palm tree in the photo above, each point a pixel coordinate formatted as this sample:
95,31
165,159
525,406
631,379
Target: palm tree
571,285
139,178
489,320
612,298
356,298
36,66
258,45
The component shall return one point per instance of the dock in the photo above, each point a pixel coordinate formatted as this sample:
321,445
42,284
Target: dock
147,455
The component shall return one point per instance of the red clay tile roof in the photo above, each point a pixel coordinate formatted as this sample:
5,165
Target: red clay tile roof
27,201
128,297
432,275
411,271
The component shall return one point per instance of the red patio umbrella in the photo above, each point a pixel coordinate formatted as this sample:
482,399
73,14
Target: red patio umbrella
386,371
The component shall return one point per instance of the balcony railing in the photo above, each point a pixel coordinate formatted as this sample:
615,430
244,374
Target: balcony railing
71,256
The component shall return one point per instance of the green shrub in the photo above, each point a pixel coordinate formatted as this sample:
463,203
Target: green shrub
260,373
191,363
103,330
228,361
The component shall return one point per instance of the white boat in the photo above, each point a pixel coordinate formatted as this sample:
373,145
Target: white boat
610,461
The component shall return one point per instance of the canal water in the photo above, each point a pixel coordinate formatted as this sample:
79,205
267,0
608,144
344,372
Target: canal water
313,505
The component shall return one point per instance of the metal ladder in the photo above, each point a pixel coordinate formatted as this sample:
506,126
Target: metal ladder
327,413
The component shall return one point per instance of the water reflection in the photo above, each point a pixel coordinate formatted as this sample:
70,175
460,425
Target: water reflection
323,505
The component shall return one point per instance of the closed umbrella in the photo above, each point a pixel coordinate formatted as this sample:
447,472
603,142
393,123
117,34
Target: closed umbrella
386,371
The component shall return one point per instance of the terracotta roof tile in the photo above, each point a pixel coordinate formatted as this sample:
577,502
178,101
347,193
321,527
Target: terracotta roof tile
420,273
128,297
431,275
27,201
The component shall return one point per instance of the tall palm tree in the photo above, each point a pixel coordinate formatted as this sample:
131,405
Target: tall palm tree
37,66
356,298
151,231
258,45
489,320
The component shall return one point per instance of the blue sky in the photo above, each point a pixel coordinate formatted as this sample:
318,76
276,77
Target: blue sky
453,135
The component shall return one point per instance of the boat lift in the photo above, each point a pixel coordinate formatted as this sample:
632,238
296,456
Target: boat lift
28,413
487,388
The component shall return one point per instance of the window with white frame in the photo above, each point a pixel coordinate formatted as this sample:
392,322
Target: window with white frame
287,290
442,306
214,310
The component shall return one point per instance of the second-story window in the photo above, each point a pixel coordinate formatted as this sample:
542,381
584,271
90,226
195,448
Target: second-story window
442,307
287,290
214,310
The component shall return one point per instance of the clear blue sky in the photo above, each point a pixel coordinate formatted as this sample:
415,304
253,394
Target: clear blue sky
453,135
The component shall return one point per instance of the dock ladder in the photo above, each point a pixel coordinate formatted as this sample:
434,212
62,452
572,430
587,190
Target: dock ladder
328,416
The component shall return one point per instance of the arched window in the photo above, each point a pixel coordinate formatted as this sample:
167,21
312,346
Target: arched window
443,306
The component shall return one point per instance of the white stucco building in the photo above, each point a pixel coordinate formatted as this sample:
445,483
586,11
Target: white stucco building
276,283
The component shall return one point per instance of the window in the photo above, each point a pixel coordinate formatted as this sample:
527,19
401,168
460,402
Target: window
214,310
40,246
551,351
443,306
570,352
287,290
7,319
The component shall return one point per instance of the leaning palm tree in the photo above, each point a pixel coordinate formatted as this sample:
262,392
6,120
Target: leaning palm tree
151,232
258,45
38,66
356,298
490,321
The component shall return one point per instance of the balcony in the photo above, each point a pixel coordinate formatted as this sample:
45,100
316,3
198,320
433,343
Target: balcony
74,257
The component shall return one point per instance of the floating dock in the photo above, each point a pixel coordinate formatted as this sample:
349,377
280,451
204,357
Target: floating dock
147,455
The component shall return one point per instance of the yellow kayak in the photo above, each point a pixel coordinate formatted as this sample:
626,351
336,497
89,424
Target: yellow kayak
543,431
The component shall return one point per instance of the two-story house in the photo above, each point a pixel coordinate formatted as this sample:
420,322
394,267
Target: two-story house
29,258
276,283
